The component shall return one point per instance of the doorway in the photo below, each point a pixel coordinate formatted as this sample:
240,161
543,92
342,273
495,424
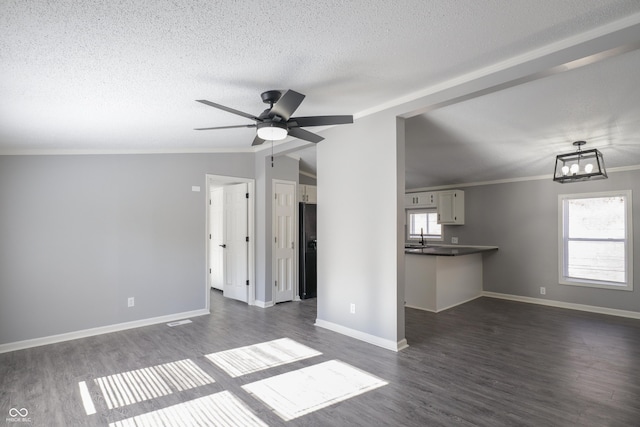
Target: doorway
285,232
230,237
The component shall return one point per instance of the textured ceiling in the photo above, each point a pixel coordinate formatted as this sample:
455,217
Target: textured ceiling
119,76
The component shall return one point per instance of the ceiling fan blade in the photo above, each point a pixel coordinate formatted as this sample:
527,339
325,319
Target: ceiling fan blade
229,110
227,127
320,120
287,104
257,141
305,134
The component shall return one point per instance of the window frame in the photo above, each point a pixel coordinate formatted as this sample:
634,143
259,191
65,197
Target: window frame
427,237
563,277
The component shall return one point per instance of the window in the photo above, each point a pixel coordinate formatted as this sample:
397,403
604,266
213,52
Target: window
596,240
423,221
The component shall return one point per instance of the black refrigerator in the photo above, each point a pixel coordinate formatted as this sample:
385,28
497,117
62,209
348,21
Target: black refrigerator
307,256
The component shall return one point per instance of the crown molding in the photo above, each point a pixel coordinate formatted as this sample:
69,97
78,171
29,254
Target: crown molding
83,152
509,180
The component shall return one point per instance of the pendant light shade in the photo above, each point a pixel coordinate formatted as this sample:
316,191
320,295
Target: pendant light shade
580,165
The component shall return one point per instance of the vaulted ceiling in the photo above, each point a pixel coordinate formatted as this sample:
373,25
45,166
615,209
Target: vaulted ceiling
518,131
123,76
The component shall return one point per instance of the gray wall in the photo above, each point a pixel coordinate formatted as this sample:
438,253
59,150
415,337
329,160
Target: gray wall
522,219
81,234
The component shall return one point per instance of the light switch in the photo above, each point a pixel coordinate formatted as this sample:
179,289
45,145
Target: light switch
195,188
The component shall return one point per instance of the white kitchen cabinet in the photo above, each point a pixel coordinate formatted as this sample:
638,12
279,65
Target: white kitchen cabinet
451,207
421,200
308,193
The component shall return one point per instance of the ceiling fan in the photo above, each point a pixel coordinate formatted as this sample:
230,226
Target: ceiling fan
275,123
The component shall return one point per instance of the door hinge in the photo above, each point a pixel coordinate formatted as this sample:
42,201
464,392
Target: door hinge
247,282
275,239
209,236
247,238
247,195
275,196
209,271
275,283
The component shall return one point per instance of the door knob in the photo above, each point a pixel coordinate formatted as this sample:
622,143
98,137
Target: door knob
223,246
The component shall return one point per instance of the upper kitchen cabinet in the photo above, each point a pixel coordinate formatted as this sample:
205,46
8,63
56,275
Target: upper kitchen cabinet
451,207
420,200
307,193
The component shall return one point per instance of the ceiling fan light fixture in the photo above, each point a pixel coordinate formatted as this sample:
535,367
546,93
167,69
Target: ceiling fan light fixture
580,165
272,131
275,123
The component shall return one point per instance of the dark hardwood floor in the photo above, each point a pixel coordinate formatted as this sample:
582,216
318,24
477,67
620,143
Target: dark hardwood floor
485,363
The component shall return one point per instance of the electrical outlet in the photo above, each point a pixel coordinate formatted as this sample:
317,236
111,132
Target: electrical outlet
543,290
352,308
454,240
130,302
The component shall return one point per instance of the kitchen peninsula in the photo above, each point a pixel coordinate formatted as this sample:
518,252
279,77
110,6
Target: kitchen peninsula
441,277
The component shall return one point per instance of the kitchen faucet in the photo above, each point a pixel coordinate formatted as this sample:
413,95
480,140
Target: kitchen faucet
421,238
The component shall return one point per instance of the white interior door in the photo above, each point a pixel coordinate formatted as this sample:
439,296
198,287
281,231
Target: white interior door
236,242
216,239
285,237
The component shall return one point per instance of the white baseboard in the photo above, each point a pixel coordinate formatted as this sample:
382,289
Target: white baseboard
443,308
568,305
264,304
36,342
419,308
457,304
363,336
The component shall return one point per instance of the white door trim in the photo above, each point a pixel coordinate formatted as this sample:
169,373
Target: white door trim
223,179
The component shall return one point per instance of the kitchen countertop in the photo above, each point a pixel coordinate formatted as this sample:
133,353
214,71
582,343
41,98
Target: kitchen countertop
449,250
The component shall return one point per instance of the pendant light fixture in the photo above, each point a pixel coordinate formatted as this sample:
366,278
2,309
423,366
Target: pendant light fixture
580,165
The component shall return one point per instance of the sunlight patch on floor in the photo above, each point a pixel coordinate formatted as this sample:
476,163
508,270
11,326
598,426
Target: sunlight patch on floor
305,390
289,395
149,383
219,409
87,402
253,358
